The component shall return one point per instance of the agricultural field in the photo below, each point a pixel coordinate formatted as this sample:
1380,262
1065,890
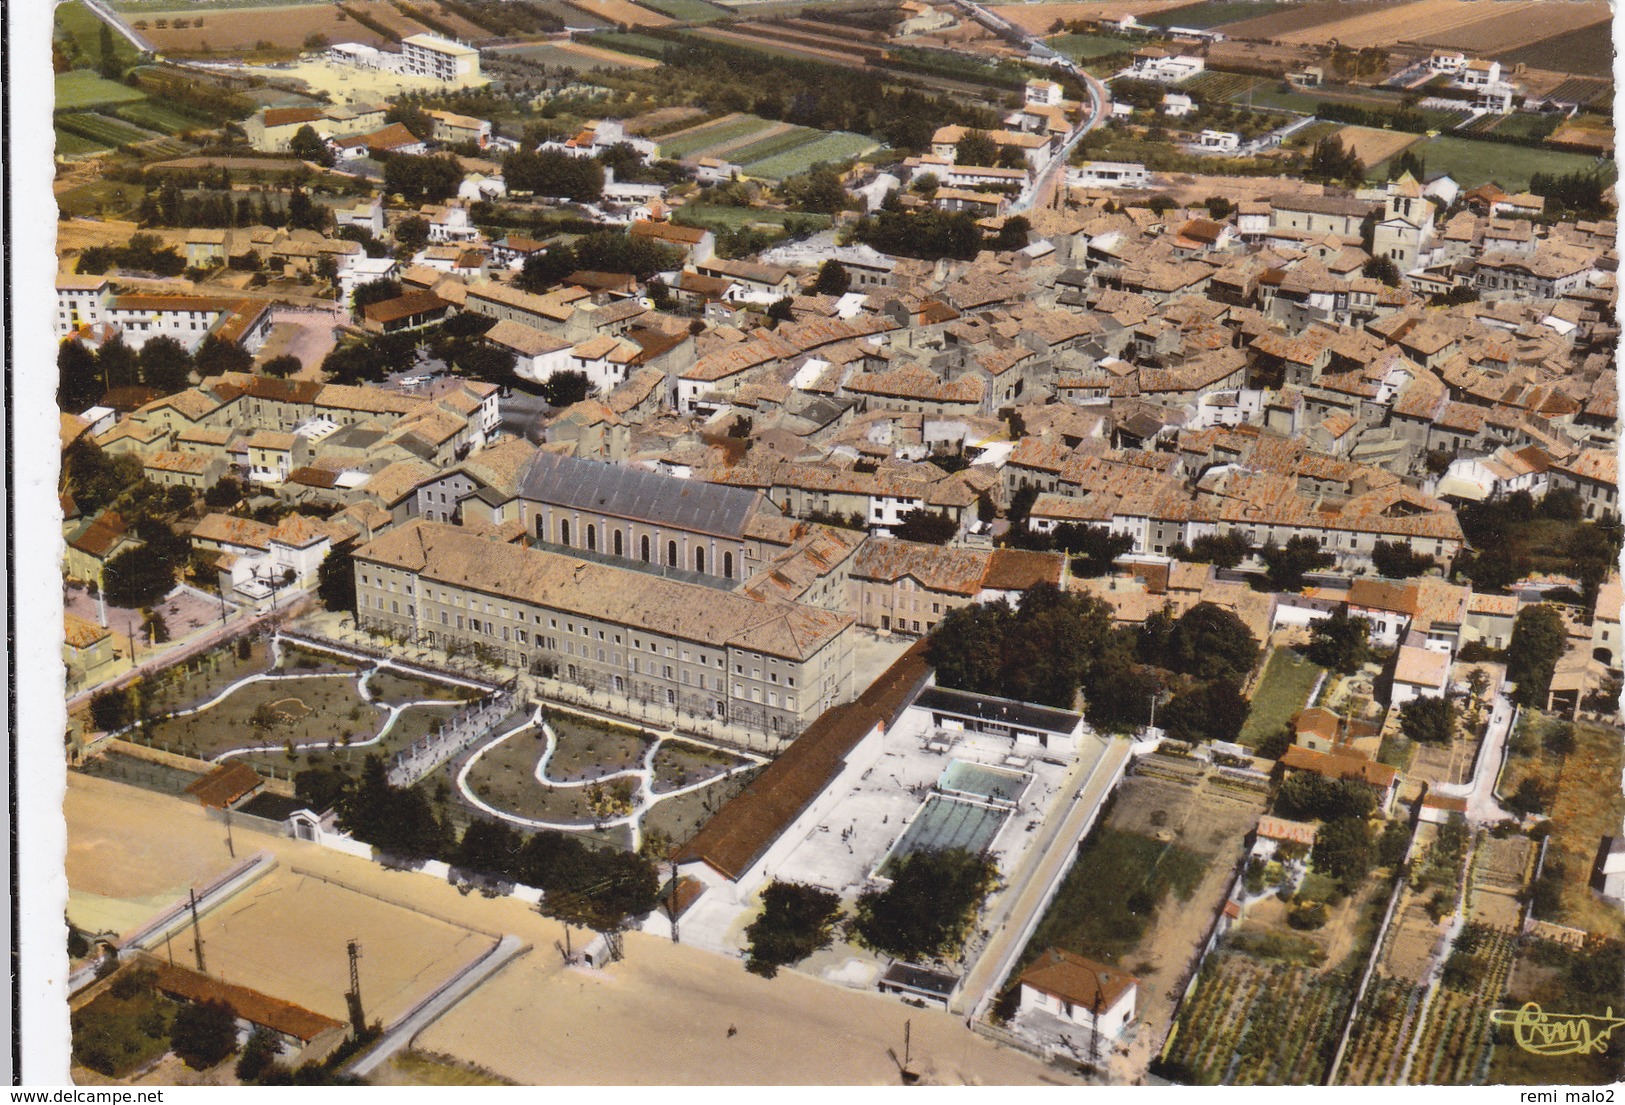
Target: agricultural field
1455,1038
1373,146
660,117
690,11
250,30
163,118
69,144
1381,1033
1479,28
1089,47
777,46
82,88
574,55
1584,51
386,15
621,13
80,30
1249,1023
832,148
1037,19
1214,13
1583,133
694,140
702,214
572,16
1518,125
1472,163
1280,693
1588,806
1213,85
109,133
1584,91
1558,977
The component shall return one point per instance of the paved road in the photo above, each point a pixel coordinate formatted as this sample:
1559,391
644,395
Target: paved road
1016,913
1482,806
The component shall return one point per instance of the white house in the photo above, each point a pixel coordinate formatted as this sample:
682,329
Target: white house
1108,174
1219,141
1419,673
354,271
1080,992
537,354
1479,74
1176,104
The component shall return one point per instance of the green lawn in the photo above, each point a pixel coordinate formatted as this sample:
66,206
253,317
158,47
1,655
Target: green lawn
1472,163
81,88
765,148
1105,904
1082,47
163,118
1282,691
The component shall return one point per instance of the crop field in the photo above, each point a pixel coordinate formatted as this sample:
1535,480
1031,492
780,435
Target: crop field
1480,28
1372,146
1248,1023
832,148
1584,90
1582,133
1510,26
740,34
781,139
575,55
1588,806
244,29
690,11
1037,19
387,15
162,118
573,16
1473,163
1520,125
82,88
1215,13
79,24
659,118
1586,51
621,13
69,144
111,133
1213,85
1455,1045
718,131
1086,47
1382,1032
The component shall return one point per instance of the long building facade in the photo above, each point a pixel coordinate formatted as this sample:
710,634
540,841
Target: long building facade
767,667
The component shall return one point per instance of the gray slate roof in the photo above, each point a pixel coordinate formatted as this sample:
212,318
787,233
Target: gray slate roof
638,495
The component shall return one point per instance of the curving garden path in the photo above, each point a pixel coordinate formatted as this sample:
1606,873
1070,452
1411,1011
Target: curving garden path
644,795
363,678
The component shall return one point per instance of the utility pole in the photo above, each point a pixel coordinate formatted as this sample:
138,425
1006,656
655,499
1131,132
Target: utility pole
358,1018
230,847
197,934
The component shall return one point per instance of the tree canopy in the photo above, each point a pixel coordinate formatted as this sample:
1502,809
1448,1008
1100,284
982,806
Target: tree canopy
796,921
1340,642
1429,720
1539,637
1213,711
1286,565
929,908
1041,652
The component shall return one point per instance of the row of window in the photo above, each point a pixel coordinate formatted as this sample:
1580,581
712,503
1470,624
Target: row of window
645,548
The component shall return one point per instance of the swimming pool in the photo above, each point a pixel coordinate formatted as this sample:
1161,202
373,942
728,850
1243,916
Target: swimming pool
944,823
990,784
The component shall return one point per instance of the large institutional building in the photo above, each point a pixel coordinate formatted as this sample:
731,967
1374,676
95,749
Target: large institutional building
770,666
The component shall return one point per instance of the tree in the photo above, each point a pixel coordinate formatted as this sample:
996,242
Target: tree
282,367
1395,560
375,291
117,363
335,579
489,848
967,646
203,1033
545,269
397,820
1214,711
79,378
796,921
1218,207
1593,553
976,148
1305,796
412,233
818,191
1224,550
138,577
1329,162
1340,642
1121,693
259,1055
554,173
1539,638
166,366
420,179
1383,269
112,710
1530,797
307,145
833,279
928,910
108,66
217,355
1096,547
1286,565
1429,720
1210,642
1343,851
565,388
926,526
1013,234
413,118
